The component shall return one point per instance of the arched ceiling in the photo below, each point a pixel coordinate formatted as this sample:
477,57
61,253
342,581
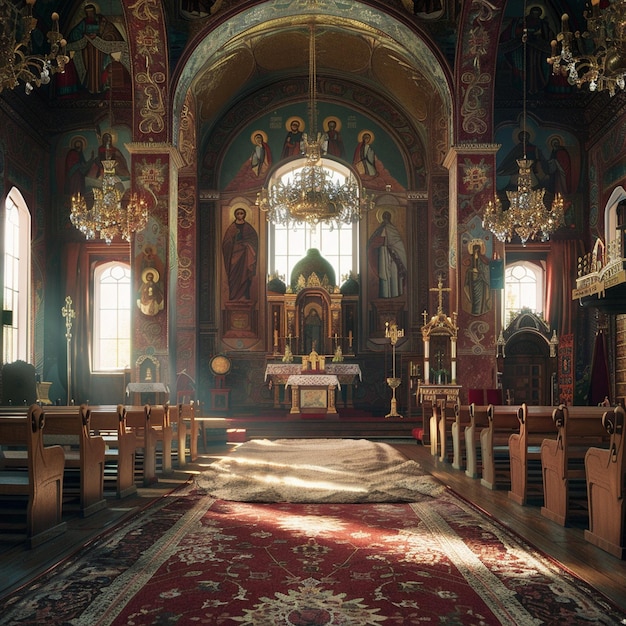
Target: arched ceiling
353,42
283,51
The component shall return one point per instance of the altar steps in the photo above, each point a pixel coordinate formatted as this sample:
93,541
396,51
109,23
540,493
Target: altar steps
348,425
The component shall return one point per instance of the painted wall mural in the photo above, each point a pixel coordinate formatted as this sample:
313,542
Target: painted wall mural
347,135
557,163
80,156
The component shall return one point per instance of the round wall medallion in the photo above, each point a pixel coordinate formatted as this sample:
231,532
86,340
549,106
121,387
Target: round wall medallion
220,365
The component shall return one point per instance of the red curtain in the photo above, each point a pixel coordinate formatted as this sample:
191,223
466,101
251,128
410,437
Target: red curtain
599,383
560,280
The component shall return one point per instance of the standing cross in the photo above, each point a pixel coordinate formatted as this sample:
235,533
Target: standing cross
69,314
440,288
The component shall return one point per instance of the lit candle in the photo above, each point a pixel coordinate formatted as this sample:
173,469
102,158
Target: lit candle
350,338
275,337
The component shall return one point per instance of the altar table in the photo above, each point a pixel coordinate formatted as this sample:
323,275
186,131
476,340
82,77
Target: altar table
346,373
313,393
138,389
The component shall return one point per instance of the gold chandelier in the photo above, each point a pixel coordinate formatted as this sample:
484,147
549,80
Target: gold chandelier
107,218
604,67
527,215
17,61
311,188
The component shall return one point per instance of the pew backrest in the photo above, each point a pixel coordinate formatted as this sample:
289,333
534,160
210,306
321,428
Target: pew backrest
42,483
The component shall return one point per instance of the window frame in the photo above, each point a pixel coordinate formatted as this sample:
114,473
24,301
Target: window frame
17,267
537,269
97,351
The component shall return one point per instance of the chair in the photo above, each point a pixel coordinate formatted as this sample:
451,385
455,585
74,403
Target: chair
19,384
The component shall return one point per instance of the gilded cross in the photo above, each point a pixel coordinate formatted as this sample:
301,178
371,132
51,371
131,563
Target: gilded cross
69,314
440,288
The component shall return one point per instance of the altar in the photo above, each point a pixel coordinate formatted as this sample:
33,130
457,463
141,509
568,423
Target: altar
278,374
148,393
313,393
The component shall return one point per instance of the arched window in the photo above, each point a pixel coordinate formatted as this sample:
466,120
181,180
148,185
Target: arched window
523,289
289,243
112,315
338,246
17,269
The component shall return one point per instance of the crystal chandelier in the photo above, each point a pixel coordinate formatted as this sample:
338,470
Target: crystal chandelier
604,67
313,189
527,215
107,218
17,61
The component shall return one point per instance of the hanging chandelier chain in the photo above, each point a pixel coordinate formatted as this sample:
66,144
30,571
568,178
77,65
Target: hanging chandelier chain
312,84
526,216
524,78
107,218
309,190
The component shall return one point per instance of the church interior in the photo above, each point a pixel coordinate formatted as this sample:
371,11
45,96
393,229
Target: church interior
314,216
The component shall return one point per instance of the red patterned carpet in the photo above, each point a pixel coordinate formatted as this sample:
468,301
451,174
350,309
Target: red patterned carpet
191,559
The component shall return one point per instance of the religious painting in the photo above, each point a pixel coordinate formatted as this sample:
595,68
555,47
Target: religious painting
240,246
387,255
98,51
556,158
541,23
476,279
150,299
82,156
346,135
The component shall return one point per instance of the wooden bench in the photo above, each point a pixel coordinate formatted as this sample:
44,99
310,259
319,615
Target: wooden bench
494,446
109,422
563,460
480,418
137,420
439,408
535,425
183,423
84,455
159,420
68,427
446,419
457,430
606,488
31,497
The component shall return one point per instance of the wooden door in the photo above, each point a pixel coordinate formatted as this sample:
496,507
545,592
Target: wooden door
524,379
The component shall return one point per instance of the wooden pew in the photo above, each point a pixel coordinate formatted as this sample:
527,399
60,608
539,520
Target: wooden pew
137,420
446,418
159,420
480,417
563,460
109,422
189,413
31,497
535,425
606,488
68,427
179,433
503,421
183,423
461,422
440,407
84,455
